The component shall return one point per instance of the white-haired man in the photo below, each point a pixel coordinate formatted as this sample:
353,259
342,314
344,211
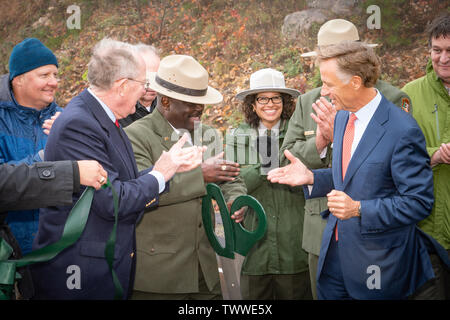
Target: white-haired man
89,129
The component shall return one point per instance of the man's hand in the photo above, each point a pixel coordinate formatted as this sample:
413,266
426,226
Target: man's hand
193,158
92,173
324,117
179,159
342,206
294,174
49,123
442,155
215,169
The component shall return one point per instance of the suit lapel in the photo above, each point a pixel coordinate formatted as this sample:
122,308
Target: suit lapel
117,135
372,135
341,123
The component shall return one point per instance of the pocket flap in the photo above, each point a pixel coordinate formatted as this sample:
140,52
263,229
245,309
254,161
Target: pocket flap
150,246
380,241
96,249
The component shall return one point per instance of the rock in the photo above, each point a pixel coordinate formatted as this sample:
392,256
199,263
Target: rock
339,7
304,25
43,21
298,24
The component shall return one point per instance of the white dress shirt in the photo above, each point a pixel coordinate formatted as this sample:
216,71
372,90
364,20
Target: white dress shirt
363,115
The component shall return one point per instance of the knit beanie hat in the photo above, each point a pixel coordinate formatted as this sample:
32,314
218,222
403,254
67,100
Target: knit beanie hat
29,55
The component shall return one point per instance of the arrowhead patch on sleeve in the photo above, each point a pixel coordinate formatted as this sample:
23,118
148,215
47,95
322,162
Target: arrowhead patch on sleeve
405,104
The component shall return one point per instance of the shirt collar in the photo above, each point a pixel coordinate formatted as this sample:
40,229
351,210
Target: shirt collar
365,113
104,106
262,128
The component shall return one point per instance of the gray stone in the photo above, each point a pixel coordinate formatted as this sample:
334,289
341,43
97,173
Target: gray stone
339,7
298,24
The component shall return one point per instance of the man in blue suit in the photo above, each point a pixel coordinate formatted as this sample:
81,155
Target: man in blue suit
380,185
89,130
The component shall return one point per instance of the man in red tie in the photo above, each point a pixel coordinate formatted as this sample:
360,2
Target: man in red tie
379,186
87,129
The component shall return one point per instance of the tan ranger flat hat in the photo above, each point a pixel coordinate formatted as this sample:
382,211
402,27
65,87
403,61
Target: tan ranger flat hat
181,77
335,31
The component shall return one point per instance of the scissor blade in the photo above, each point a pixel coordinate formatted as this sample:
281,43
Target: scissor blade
230,276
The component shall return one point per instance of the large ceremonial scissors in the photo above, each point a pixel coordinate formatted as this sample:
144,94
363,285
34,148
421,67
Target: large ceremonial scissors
238,240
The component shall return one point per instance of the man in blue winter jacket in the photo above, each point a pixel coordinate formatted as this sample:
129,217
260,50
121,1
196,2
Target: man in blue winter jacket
27,100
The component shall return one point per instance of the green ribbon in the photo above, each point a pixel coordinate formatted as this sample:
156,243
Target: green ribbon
74,227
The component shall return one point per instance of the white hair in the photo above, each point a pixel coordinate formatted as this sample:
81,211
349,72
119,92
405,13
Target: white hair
112,60
147,49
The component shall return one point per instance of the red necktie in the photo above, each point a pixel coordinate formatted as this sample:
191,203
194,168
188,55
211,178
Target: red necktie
347,143
117,123
347,150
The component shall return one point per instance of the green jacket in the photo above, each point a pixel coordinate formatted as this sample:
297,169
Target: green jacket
301,141
171,240
432,112
280,250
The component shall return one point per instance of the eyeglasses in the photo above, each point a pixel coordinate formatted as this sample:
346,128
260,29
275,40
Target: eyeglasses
265,100
145,83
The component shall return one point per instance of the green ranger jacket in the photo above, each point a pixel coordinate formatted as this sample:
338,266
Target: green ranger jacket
280,250
300,140
171,240
432,113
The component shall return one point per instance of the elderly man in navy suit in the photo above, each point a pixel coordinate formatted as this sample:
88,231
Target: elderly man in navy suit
89,129
380,185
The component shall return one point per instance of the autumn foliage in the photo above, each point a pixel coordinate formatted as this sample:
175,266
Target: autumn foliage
230,38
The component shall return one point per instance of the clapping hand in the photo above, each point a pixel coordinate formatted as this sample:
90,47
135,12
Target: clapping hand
442,155
179,159
324,118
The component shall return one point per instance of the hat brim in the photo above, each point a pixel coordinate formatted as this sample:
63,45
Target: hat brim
293,92
314,54
212,95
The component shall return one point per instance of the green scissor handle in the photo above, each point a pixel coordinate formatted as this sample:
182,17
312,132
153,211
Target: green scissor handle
237,238
244,239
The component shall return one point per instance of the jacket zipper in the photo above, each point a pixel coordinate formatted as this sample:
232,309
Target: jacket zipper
437,122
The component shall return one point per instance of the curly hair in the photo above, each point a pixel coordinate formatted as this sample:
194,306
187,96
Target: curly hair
252,118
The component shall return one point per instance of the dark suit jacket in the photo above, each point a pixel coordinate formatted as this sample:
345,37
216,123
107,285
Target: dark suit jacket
43,184
84,131
140,112
390,174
